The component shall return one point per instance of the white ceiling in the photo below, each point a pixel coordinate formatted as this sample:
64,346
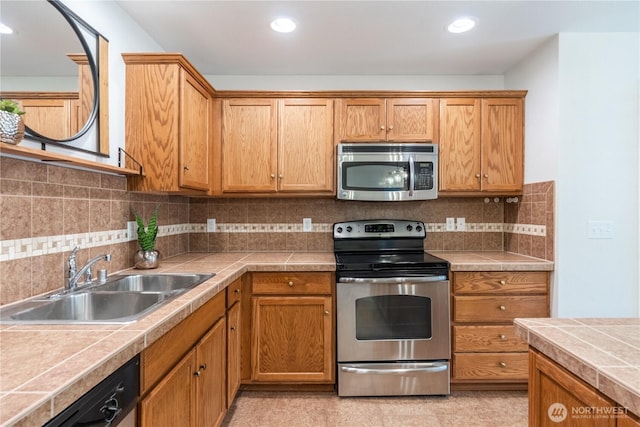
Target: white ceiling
368,37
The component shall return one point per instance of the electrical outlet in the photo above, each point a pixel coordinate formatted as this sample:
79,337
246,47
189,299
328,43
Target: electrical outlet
132,230
460,224
600,230
450,224
211,225
307,225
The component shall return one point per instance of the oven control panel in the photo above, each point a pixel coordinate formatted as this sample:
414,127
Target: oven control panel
382,228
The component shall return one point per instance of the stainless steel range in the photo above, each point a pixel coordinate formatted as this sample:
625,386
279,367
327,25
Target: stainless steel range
392,310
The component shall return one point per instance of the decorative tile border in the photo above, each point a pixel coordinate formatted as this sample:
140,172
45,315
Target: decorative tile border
36,246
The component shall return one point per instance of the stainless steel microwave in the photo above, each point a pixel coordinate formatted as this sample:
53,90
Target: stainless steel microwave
387,171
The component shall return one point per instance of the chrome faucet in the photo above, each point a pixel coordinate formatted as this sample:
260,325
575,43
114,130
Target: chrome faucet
75,275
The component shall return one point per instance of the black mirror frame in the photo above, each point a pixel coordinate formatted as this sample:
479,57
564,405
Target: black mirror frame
75,22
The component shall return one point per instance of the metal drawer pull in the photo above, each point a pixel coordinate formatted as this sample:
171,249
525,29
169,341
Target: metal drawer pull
290,284
502,337
196,374
203,366
237,291
502,364
503,308
503,282
326,312
398,371
233,328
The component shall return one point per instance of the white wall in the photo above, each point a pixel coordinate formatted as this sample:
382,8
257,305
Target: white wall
373,82
589,111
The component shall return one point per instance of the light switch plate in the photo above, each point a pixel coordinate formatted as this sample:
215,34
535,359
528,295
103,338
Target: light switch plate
307,225
600,230
132,230
211,225
460,224
450,224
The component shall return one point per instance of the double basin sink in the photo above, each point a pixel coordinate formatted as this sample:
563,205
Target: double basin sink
120,299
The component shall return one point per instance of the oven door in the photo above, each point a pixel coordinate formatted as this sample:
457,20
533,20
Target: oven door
393,319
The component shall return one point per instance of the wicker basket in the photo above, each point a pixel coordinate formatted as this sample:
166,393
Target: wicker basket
11,127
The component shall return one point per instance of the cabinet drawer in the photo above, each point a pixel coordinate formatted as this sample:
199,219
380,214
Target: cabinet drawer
492,339
497,308
491,366
522,282
233,292
292,283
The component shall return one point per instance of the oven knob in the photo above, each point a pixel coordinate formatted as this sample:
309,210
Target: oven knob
349,229
339,230
419,228
409,227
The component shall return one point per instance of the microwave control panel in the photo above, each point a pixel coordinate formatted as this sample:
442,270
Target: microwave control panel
424,176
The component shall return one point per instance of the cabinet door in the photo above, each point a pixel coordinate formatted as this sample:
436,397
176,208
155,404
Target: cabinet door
233,352
210,384
412,119
459,144
194,134
172,402
305,141
292,339
249,145
363,119
550,385
502,144
50,117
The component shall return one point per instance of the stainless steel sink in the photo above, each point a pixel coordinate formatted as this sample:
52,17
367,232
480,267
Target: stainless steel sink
93,307
153,283
121,299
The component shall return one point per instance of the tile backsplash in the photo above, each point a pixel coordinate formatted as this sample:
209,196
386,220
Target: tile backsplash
46,210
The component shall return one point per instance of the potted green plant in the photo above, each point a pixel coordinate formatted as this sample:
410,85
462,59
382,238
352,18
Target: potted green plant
11,122
148,256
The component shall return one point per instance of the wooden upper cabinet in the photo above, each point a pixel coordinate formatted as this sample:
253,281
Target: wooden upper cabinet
393,119
459,155
305,145
168,123
481,145
51,117
277,146
249,145
502,144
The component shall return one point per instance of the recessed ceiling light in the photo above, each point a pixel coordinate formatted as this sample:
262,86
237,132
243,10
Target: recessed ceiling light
4,29
462,25
283,25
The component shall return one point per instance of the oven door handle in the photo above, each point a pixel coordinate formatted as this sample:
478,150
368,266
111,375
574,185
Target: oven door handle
430,368
393,280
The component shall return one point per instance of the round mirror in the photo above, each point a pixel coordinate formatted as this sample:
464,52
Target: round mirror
49,64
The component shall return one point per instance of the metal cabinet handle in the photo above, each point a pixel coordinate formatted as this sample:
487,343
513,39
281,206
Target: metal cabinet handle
186,167
273,176
477,175
381,127
502,337
486,175
390,127
502,308
290,284
281,176
203,366
502,364
237,291
233,328
326,312
503,282
196,374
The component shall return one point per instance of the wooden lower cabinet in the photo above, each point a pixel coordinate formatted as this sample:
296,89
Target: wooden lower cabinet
559,398
292,331
486,352
183,373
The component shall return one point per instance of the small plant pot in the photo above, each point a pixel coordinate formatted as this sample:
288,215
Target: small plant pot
11,128
147,260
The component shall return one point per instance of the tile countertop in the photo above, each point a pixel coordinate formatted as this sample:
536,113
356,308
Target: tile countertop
603,352
45,368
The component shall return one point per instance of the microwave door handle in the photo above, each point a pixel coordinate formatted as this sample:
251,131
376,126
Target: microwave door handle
411,176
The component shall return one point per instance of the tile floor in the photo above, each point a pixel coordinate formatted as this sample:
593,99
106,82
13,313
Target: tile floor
461,408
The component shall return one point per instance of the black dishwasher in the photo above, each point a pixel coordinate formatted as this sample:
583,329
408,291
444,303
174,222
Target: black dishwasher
107,403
